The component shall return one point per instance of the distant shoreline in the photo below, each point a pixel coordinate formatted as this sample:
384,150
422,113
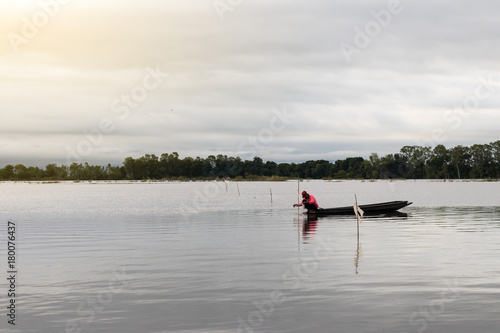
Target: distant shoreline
480,161
176,181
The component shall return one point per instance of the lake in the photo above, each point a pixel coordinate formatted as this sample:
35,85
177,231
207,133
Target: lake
237,257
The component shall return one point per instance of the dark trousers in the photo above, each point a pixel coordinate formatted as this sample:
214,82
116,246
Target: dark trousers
308,206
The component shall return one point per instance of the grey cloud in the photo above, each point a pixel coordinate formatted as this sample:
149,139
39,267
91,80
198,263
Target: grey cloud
226,77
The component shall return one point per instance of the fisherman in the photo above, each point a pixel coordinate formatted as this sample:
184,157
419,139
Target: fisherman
308,201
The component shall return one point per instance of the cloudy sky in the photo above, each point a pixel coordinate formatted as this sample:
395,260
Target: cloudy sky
286,80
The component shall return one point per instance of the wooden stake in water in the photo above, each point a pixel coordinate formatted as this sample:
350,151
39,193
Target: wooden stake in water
298,191
356,257
271,194
359,212
298,210
238,188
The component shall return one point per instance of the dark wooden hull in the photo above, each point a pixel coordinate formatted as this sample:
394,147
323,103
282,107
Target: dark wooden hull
371,209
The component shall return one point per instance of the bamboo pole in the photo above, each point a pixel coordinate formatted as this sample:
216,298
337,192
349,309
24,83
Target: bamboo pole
298,216
298,190
356,211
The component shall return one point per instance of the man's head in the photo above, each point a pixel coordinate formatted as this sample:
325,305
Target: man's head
305,194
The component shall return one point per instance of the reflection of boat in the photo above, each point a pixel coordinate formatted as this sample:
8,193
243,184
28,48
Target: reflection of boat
371,209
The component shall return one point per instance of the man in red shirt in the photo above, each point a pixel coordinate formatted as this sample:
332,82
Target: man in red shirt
308,201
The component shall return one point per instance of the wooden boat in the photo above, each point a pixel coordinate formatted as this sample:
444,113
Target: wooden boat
371,209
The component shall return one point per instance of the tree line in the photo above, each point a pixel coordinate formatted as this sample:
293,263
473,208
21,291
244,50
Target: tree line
479,161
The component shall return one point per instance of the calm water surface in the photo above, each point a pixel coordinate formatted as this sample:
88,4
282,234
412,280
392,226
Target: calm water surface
201,257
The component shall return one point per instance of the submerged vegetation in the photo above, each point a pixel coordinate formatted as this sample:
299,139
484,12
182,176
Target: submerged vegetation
480,161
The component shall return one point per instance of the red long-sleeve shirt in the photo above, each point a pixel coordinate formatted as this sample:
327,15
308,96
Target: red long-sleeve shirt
311,200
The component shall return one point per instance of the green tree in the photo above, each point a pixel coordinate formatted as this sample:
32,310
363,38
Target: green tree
76,171
482,161
376,166
113,172
209,166
131,168
54,172
269,169
286,170
321,169
416,157
460,162
366,170
7,173
341,174
151,166
257,166
234,167
21,172
495,151
438,164
354,167
197,167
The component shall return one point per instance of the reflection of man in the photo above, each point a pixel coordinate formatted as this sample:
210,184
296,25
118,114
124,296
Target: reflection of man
308,201
309,229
